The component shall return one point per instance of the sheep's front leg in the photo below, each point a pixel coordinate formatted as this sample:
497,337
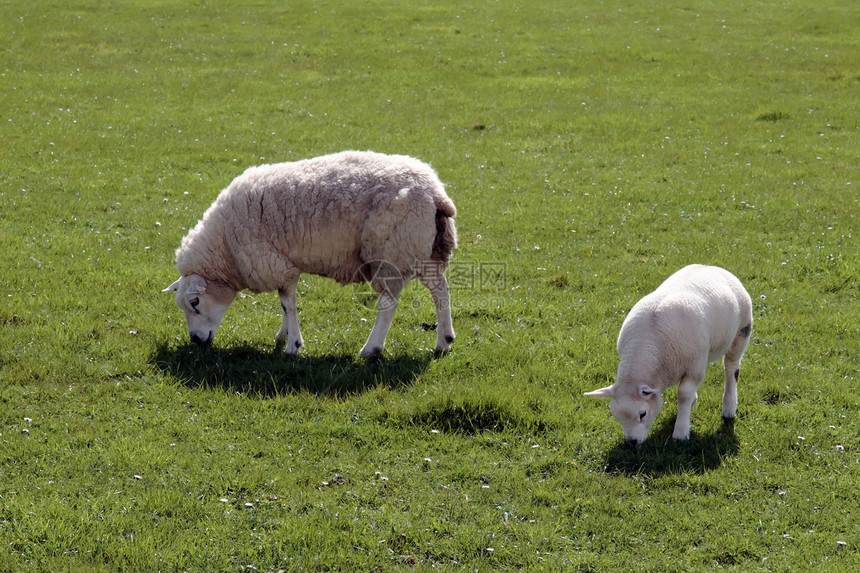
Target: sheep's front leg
687,397
438,287
290,323
385,314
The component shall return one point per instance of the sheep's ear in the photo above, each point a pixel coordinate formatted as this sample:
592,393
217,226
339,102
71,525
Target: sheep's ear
174,287
197,285
647,391
608,392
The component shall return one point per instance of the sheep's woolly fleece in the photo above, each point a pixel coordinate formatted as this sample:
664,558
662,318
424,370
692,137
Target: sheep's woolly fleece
326,216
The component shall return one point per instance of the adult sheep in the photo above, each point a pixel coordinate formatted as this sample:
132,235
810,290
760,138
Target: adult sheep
698,315
351,216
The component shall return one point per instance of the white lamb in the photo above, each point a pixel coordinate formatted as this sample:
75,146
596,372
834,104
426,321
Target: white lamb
698,315
351,216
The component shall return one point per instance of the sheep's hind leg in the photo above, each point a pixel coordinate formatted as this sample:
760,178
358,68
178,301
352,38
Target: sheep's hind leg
387,306
289,331
438,287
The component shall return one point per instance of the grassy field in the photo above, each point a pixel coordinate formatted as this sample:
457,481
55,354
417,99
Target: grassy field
592,149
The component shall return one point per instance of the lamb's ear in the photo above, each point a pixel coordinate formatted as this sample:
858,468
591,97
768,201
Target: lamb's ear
608,392
174,287
197,285
647,391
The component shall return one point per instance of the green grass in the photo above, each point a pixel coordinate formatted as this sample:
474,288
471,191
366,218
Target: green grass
592,148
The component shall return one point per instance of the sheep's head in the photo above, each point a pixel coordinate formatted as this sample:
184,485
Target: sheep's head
635,406
204,304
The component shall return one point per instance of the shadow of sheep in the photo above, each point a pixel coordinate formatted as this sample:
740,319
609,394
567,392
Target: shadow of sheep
252,371
661,455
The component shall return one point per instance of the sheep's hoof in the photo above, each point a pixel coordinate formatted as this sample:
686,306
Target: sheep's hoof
443,345
371,353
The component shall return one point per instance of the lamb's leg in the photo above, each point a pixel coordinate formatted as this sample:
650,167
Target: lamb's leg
438,287
730,394
385,314
290,323
732,365
687,397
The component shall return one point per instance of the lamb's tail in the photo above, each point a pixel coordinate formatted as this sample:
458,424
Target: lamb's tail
446,232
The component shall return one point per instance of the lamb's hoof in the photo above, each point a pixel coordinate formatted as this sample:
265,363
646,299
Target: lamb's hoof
292,350
441,351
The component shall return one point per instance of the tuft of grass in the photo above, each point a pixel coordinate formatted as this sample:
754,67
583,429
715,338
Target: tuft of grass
471,416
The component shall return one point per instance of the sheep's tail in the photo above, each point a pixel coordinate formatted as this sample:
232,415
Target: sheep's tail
446,233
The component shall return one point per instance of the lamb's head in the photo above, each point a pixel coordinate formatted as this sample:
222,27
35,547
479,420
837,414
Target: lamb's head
204,304
635,406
